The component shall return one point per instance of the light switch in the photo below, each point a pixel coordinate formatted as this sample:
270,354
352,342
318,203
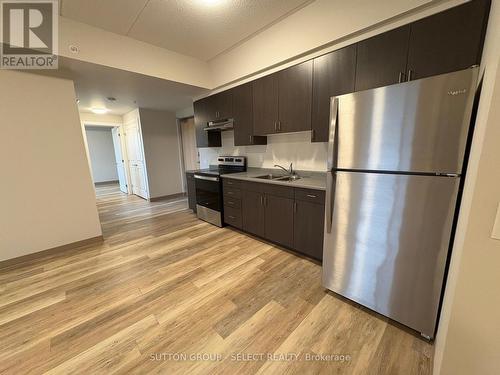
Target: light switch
496,227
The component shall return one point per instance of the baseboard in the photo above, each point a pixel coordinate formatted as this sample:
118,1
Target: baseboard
52,251
106,182
165,197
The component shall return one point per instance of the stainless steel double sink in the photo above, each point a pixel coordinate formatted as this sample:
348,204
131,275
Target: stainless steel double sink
279,177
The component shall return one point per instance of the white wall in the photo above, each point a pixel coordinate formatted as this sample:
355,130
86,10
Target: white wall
102,154
89,118
47,198
162,152
468,338
281,149
106,48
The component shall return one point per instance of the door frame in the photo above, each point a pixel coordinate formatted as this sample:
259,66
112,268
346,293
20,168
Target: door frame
181,149
135,122
110,125
122,157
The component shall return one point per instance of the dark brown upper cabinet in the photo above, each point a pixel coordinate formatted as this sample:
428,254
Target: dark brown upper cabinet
381,60
220,106
282,101
333,74
265,105
298,98
448,41
201,118
243,117
295,98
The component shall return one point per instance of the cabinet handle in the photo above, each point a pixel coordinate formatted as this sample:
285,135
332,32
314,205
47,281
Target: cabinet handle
265,201
250,138
279,125
401,77
410,74
276,126
294,206
261,201
311,196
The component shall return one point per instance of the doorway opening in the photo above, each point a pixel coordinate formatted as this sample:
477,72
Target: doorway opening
190,154
106,156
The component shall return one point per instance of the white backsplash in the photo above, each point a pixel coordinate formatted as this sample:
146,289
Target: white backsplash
281,149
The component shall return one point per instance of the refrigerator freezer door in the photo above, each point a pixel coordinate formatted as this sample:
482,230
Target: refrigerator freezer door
388,243
417,126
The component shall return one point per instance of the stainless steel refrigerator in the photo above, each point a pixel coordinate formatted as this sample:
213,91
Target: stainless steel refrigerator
395,158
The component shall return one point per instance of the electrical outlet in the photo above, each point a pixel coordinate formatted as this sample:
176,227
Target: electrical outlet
496,227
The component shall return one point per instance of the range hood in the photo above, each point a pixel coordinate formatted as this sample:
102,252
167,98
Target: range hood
221,125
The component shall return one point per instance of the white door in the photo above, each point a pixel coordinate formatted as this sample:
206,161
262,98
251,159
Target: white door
136,160
120,163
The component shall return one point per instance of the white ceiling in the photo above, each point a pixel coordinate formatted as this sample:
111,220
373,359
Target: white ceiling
198,28
94,83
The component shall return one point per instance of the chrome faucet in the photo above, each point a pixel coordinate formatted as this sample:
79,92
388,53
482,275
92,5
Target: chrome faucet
289,172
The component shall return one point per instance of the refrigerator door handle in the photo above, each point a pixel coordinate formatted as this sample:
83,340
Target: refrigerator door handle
332,152
331,163
330,197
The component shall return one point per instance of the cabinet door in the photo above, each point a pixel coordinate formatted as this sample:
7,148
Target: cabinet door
334,74
223,105
265,105
448,41
295,98
381,60
191,190
243,117
279,219
252,210
308,228
204,138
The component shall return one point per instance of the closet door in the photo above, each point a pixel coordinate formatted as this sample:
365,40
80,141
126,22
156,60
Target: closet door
136,162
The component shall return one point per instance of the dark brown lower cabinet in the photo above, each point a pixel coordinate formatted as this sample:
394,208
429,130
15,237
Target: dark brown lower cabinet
279,219
252,209
291,217
308,228
191,191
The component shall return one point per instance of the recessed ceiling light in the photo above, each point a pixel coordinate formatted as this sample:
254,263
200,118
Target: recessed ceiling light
111,98
99,111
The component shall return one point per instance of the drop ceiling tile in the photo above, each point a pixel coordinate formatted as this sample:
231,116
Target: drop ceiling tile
112,15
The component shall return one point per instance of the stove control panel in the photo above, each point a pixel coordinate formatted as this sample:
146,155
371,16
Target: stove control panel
239,161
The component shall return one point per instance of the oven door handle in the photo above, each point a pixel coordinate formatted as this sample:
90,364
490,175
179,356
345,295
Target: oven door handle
207,178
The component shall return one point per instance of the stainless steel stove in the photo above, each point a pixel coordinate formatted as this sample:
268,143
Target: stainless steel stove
209,205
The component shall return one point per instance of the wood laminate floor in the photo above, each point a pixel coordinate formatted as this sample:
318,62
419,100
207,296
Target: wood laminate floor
169,294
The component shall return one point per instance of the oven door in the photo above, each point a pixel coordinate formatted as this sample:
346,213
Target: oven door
209,198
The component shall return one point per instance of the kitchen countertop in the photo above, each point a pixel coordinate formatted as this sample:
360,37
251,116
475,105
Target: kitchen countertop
308,180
